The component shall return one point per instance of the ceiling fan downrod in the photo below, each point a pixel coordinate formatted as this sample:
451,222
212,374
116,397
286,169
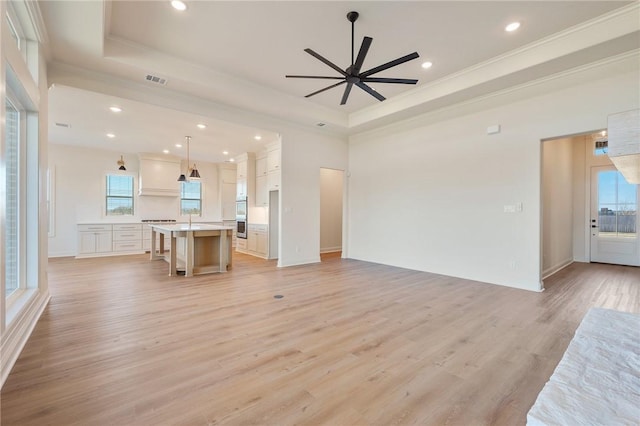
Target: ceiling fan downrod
353,17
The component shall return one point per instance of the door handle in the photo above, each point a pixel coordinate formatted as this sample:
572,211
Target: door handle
594,226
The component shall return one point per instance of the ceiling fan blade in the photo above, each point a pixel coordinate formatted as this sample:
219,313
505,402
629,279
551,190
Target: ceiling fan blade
389,80
326,88
314,76
325,61
370,91
345,96
388,65
364,48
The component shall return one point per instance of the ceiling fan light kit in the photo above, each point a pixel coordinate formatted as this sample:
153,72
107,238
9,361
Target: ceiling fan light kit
352,75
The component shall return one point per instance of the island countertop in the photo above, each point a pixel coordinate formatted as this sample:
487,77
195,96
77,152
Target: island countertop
186,227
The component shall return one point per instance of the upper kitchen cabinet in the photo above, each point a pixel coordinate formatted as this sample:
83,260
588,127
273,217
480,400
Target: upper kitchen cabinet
158,175
273,166
246,176
228,191
262,194
273,157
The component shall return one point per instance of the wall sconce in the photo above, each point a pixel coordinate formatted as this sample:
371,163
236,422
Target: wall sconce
193,172
121,164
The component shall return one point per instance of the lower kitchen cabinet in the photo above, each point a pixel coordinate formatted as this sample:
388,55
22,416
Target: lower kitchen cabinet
257,241
94,239
109,239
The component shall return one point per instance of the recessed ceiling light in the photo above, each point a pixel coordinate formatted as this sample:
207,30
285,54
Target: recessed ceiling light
178,5
257,137
232,160
166,151
178,145
427,65
512,26
111,135
115,109
202,126
225,152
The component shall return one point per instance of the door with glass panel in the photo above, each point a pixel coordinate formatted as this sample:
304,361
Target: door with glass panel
614,218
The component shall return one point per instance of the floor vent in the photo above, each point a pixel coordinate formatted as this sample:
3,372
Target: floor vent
156,79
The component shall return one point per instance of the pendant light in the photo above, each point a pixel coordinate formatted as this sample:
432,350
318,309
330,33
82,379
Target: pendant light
121,164
193,172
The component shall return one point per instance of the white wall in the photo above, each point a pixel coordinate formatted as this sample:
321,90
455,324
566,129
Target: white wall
303,154
580,201
80,192
331,193
429,193
557,205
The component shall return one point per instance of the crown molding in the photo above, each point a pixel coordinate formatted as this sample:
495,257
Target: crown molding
615,24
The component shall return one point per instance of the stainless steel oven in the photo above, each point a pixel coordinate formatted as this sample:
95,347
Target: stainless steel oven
241,229
241,217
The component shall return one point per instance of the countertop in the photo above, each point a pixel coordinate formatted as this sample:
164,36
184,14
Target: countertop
186,227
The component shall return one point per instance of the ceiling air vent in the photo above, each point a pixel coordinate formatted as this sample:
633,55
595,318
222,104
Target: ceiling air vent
65,125
156,79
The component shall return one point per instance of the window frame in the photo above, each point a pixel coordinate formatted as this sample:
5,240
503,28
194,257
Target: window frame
199,199
107,196
21,219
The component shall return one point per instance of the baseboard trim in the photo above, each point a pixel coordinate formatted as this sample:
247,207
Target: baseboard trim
298,263
557,268
18,333
330,249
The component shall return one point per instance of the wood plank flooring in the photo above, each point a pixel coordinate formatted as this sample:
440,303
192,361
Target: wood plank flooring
351,342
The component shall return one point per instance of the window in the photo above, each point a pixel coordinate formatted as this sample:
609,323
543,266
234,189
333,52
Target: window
119,195
617,205
13,198
191,198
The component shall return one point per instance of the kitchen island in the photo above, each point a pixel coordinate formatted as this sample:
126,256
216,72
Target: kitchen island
194,248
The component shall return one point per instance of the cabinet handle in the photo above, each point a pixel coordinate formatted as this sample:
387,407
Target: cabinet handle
95,227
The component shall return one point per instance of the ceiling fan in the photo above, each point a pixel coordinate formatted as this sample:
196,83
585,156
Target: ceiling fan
352,74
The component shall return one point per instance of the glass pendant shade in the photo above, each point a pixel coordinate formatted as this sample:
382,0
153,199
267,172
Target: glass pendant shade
121,164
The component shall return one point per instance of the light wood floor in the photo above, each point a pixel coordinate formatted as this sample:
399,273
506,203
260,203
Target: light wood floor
350,342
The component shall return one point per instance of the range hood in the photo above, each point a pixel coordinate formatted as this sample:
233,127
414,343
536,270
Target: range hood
624,144
158,175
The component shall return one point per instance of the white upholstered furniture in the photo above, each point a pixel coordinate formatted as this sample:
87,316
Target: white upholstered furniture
597,381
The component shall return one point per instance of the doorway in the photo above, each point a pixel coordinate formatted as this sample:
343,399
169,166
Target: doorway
614,218
331,193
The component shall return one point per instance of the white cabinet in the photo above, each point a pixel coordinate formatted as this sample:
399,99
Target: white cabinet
246,176
158,175
242,168
273,167
241,245
94,239
241,188
273,159
273,181
228,191
108,239
127,237
262,192
258,240
261,167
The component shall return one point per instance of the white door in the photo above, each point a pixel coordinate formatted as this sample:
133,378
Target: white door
614,218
